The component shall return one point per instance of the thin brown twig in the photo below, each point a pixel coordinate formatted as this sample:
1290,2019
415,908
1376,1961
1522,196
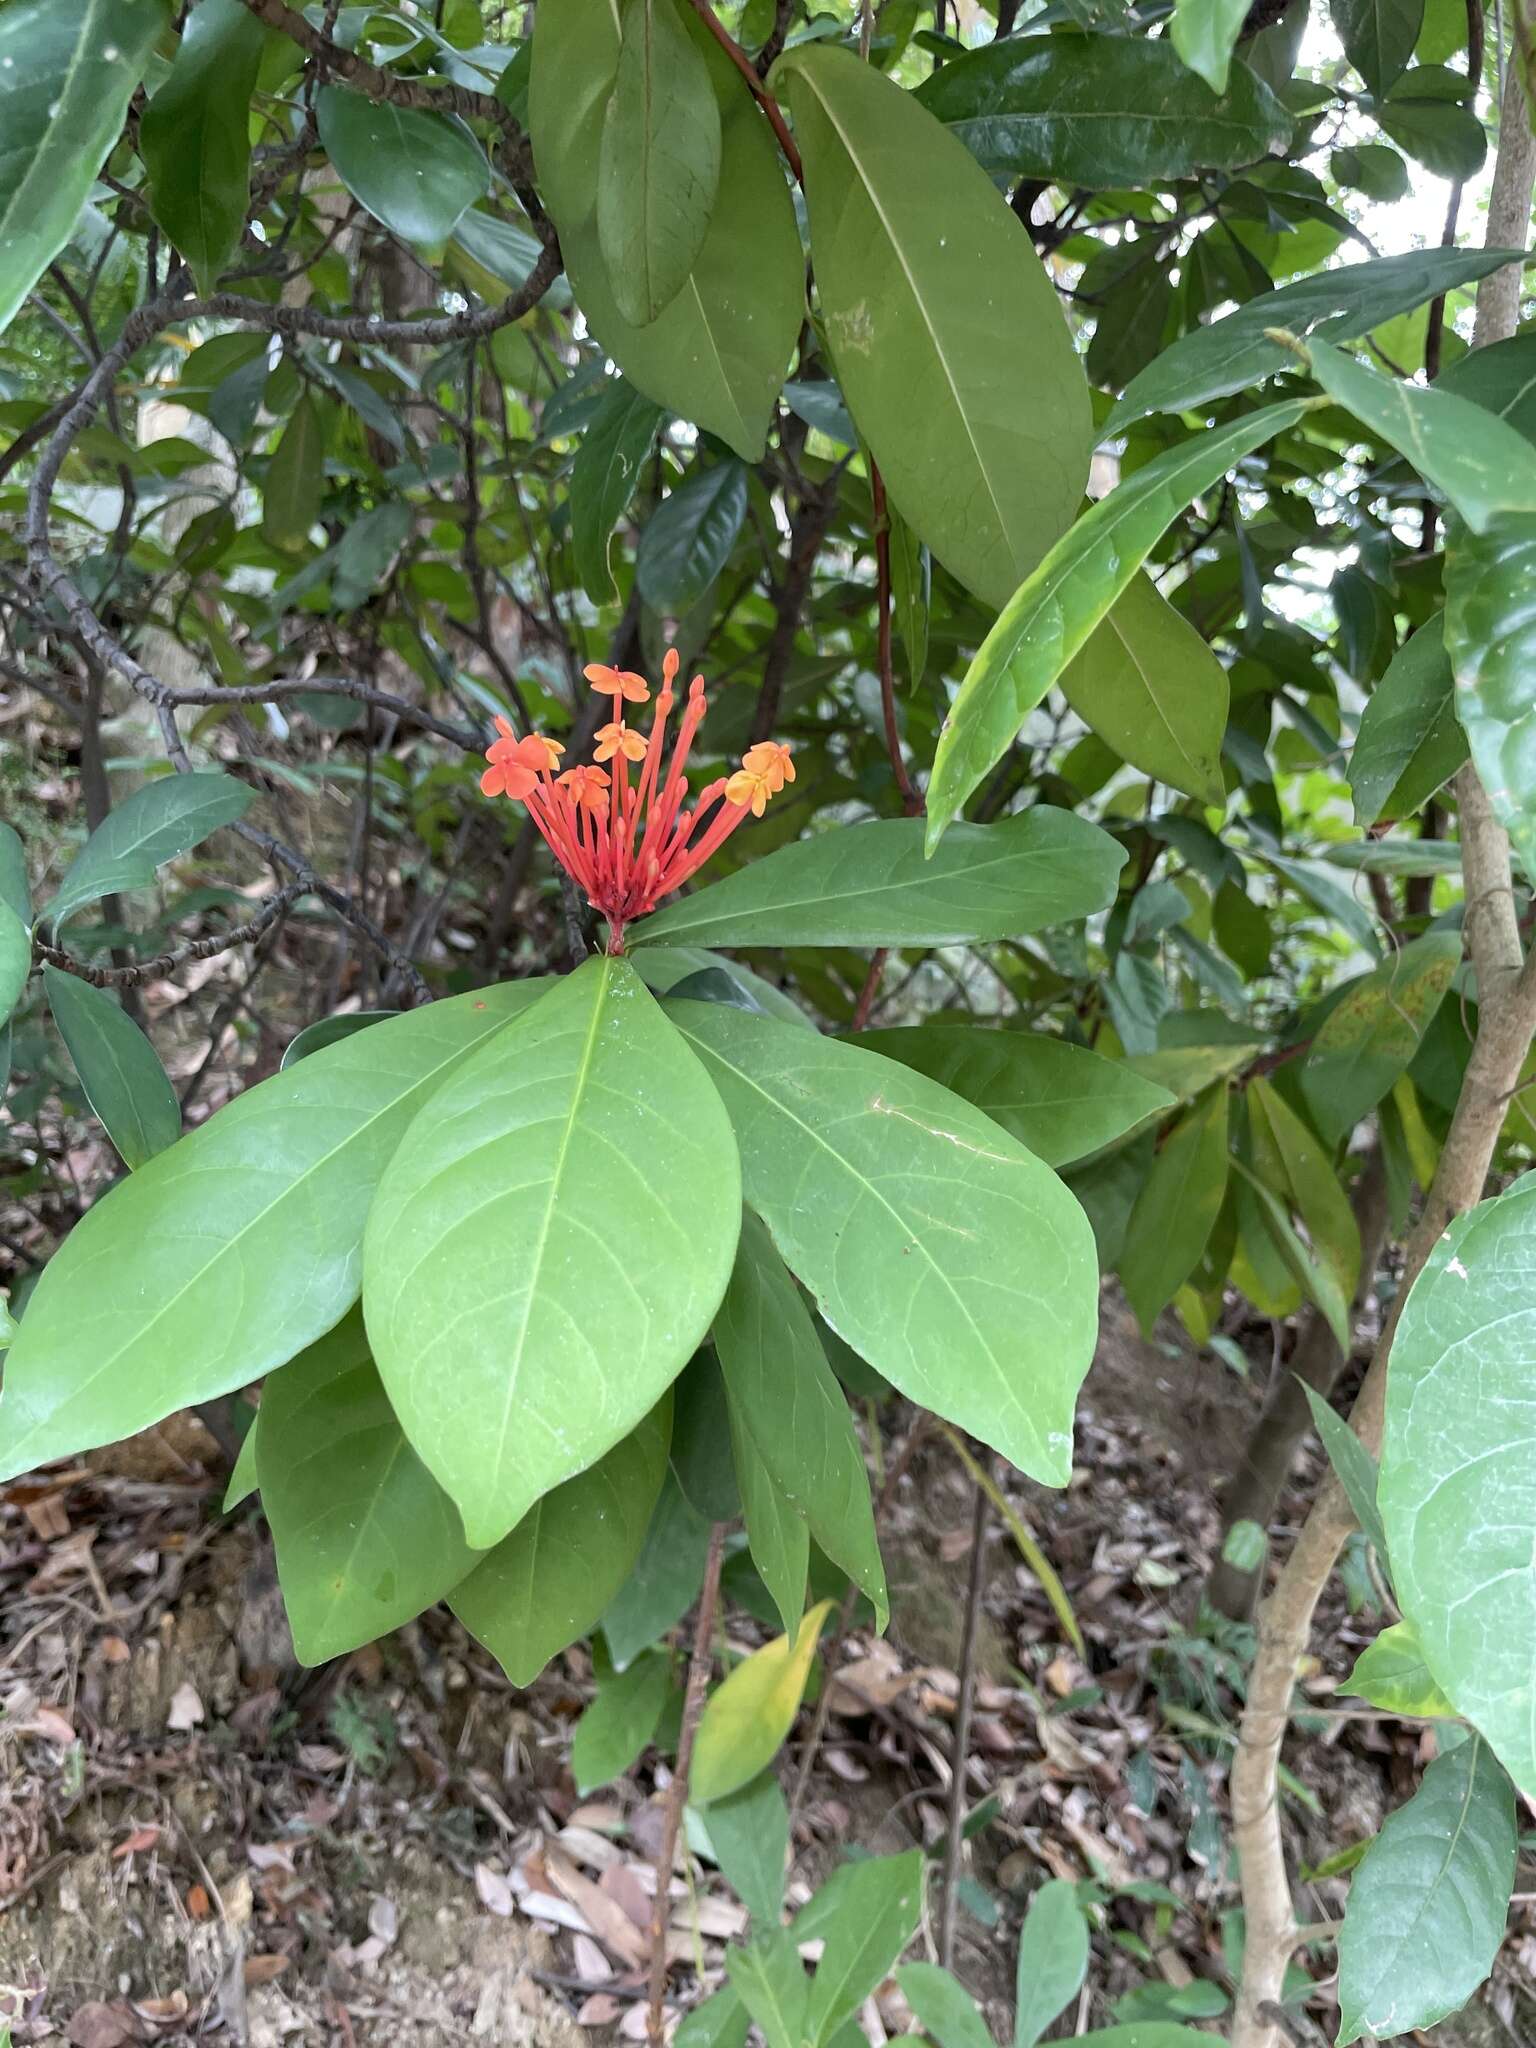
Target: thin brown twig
140,971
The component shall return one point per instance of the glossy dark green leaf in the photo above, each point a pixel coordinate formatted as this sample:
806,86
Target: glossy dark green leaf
871,886
603,479
1501,379
659,165
416,172
1060,1100
896,1204
1490,636
1101,111
1052,1960
1148,683
275,1186
163,819
1335,305
295,481
1177,1207
195,136
1373,1031
1378,37
547,1247
365,1537
548,1582
331,1031
1051,615
777,1538
620,1722
949,344
1410,742
119,1069
688,539
1373,169
701,1440
1428,1905
1425,117
665,1580
1204,34
68,69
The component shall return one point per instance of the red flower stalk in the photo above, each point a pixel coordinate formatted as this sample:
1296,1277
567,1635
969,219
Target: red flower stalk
626,845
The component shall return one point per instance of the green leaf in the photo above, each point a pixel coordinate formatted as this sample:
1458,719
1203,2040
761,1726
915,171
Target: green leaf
154,825
575,54
1353,1463
1176,1208
416,172
1312,1275
603,478
274,1187
871,886
749,1715
1378,37
1060,1100
666,1578
749,1833
768,1978
1490,636
242,1480
1308,1172
68,69
1409,742
295,483
365,1537
688,539
1391,1673
547,1247
1053,1960
875,1914
1483,465
1373,1031
1424,116
1501,379
1205,33
664,968
1372,168
119,1069
1102,111
701,1441
944,2009
911,579
1322,890
944,328
14,891
548,1583
1458,1473
1428,1905
789,1403
1148,684
1050,616
621,1721
331,1031
901,1208
1334,305
659,165
777,1538
15,959
195,136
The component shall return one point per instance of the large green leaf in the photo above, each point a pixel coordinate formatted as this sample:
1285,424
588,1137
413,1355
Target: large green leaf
948,341
294,487
1052,1960
548,1582
365,1537
659,165
1060,1100
416,172
1490,636
1424,114
749,1833
1501,379
154,825
244,1240
1334,305
1176,1208
770,1986
1100,111
1378,37
788,1399
777,1538
547,1247
603,479
871,886
902,1209
1205,33
876,1914
621,1720
1410,741
666,1577
68,69
1305,1173
195,136
1458,1470
1148,683
1373,1031
575,60
1050,616
688,539
124,1082
1428,1905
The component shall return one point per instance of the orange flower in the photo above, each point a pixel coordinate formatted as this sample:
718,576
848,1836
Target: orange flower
618,683
618,739
587,788
747,787
770,760
517,764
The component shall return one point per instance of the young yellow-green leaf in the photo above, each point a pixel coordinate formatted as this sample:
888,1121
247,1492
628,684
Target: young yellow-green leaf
154,825
789,1402
548,1582
120,1071
874,1914
195,136
295,484
1205,32
777,1537
1060,1100
1373,1031
1309,1173
547,1247
603,479
1147,682
901,1208
263,1204
748,1716
1177,1207
659,163
1391,1674
365,1537
1428,1905
621,1721
944,328
1458,1470
1052,1960
1490,637
1311,1274
871,886
1409,742
1050,616
1378,37
68,69
416,172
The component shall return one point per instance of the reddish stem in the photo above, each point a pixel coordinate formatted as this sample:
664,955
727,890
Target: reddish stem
760,92
911,801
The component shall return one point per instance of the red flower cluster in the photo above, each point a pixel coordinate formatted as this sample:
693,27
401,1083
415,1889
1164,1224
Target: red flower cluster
624,844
